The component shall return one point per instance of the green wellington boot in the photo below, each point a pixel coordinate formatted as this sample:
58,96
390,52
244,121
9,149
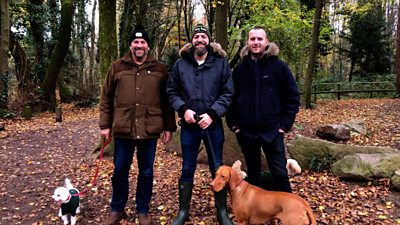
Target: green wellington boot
220,204
185,195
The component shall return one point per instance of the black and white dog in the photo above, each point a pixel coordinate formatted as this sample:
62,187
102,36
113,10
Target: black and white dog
68,196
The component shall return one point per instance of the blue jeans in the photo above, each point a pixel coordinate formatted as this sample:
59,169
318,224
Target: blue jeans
274,152
191,137
123,155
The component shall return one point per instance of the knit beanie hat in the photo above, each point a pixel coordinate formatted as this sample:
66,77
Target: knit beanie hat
139,32
200,28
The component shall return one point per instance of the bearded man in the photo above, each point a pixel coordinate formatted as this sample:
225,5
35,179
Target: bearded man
200,89
134,109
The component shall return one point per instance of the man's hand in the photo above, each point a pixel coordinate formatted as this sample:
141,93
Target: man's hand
106,133
189,116
205,121
166,137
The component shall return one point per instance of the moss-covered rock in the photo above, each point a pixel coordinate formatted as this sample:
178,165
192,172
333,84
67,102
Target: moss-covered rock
304,149
395,179
367,166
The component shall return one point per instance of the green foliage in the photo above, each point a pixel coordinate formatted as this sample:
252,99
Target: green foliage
369,51
170,56
320,163
288,25
4,92
7,114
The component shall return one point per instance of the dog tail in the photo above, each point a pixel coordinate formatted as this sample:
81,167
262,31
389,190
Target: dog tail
68,184
293,167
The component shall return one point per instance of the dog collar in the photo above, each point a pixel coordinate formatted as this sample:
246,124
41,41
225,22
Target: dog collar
69,197
240,182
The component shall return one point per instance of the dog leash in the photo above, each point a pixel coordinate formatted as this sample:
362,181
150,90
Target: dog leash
103,146
209,142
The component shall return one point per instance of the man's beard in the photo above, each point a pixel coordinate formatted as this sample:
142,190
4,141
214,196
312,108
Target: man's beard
200,51
139,56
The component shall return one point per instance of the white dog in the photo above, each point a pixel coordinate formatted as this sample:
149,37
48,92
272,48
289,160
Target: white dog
68,196
292,167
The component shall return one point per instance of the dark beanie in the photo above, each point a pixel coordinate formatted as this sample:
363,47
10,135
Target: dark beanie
139,32
200,28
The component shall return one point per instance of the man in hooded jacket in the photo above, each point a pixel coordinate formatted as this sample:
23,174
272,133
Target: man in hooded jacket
200,89
264,108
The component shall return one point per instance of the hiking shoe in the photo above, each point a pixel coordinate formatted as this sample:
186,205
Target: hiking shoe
115,217
144,219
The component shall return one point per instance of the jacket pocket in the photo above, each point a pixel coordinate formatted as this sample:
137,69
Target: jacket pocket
154,120
122,121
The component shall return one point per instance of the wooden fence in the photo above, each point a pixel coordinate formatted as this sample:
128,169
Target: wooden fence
345,88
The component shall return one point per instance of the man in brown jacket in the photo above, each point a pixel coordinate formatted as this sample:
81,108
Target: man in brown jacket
134,109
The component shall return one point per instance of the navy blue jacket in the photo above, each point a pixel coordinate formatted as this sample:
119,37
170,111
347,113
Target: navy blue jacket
206,88
266,96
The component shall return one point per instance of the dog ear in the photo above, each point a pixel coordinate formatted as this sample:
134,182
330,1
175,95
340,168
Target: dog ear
236,165
243,174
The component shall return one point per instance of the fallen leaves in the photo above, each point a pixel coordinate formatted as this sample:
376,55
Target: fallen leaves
37,156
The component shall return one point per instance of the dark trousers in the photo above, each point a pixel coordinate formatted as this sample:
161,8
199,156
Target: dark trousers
191,137
123,155
275,155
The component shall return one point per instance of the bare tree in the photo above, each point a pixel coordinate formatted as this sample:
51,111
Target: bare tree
313,53
221,23
108,46
92,49
58,55
4,43
398,53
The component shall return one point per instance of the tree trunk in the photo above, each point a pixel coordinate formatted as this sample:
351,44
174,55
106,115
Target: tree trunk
221,23
179,4
398,53
313,54
58,55
26,84
37,34
108,46
92,47
4,44
126,26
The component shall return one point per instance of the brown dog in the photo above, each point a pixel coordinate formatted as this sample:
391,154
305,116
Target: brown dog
253,205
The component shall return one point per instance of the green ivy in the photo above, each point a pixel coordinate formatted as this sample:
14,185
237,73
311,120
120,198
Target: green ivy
4,93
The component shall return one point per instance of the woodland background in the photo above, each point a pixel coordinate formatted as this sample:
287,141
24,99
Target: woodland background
54,51
54,55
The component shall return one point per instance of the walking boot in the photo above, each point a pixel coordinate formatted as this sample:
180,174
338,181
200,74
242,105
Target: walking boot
144,219
115,217
185,195
220,204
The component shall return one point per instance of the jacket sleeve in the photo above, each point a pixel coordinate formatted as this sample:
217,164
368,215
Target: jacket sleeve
220,106
107,100
174,91
231,114
290,100
168,111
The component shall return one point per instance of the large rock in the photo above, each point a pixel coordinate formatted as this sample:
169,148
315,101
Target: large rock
396,180
305,149
356,126
333,132
367,166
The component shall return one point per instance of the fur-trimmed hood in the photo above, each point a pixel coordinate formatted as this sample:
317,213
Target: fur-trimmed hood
216,49
271,50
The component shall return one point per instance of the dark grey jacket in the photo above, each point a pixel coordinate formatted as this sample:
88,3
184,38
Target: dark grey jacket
206,88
